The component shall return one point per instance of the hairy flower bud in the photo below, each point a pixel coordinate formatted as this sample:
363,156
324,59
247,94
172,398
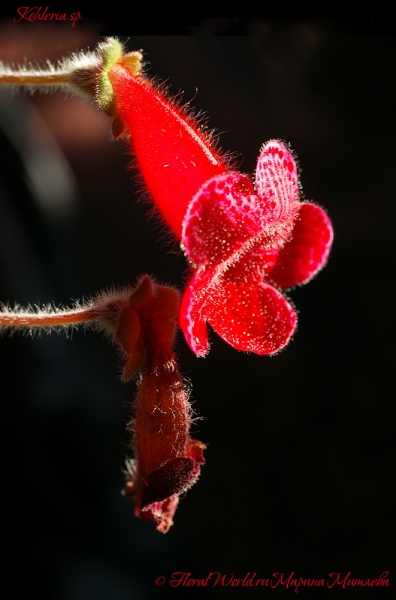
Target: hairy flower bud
166,461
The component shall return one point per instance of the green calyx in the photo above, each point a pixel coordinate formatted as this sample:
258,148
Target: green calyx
111,51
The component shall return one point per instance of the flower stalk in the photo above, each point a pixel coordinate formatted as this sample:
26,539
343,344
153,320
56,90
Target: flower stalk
99,312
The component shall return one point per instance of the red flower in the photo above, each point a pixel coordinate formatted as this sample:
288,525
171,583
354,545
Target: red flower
166,461
245,245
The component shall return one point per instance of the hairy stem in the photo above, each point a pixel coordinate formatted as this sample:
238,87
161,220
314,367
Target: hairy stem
102,311
35,78
47,318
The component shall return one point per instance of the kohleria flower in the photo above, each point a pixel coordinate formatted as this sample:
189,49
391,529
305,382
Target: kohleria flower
244,244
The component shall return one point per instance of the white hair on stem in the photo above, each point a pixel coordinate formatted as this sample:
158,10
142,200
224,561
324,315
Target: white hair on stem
99,312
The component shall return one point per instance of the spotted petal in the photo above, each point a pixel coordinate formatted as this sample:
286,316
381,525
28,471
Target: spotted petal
226,214
277,186
262,319
307,251
221,218
246,312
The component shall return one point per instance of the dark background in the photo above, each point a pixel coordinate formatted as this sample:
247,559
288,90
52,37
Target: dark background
301,446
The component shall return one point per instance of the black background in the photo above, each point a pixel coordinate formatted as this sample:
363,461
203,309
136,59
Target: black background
300,460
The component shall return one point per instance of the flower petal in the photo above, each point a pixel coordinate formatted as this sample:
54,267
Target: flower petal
277,187
173,477
307,251
246,312
221,218
191,321
161,513
253,319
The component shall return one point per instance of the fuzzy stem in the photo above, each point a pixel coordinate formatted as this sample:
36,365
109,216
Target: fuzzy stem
102,310
33,78
78,73
58,318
